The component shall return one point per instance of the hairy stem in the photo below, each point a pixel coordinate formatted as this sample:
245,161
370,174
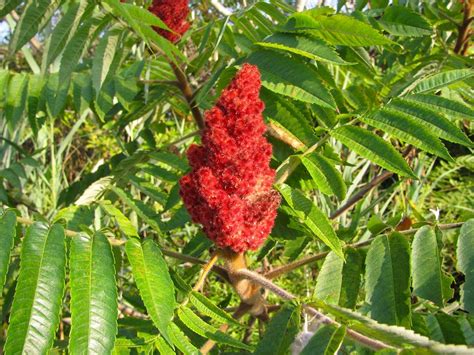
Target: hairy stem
282,293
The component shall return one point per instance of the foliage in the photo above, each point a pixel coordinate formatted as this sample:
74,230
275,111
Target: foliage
369,112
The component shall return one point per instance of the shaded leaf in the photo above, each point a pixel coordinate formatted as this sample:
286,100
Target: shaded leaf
429,281
465,253
326,340
339,282
388,280
280,332
7,237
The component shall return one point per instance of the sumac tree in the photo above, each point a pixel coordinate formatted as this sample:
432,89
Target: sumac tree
236,176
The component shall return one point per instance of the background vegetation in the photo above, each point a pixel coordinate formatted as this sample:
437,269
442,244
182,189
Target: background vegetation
369,110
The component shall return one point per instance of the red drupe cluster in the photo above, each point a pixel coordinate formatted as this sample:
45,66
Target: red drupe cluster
174,13
229,190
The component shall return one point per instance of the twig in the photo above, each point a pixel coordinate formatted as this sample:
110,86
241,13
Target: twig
361,193
366,188
188,94
205,271
462,42
284,269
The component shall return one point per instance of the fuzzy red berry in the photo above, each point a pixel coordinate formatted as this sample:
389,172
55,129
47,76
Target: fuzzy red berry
229,190
174,13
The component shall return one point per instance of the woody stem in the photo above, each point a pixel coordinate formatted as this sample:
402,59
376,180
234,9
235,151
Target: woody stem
187,91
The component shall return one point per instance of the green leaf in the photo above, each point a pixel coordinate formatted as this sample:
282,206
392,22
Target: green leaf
7,6
198,326
373,147
402,21
429,281
440,80
290,77
72,53
141,21
141,15
438,103
308,47
35,87
390,334
123,222
7,238
337,30
16,99
388,280
445,328
408,129
432,120
30,20
138,207
171,160
93,295
103,59
154,282
326,341
181,341
281,331
206,307
64,30
312,217
287,115
339,282
465,253
37,303
4,80
325,175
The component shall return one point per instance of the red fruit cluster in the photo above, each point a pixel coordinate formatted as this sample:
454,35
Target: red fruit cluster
174,13
229,190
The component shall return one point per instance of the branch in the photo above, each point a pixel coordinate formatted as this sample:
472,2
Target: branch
311,259
361,193
282,293
462,42
188,94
